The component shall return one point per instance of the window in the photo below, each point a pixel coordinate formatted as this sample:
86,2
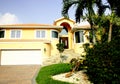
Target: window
40,34
15,33
2,33
64,31
79,37
54,34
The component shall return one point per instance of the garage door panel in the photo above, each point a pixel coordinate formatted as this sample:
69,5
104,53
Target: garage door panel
21,57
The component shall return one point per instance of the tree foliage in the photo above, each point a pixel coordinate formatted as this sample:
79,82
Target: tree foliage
81,6
103,59
103,64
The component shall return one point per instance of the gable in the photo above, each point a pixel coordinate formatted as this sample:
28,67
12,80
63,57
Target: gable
64,20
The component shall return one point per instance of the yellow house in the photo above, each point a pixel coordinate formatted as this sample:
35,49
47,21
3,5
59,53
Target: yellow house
30,43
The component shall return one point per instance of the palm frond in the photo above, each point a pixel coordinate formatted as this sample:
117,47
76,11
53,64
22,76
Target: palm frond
66,6
78,13
101,7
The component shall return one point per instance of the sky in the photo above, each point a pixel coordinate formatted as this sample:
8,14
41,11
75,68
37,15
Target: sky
31,11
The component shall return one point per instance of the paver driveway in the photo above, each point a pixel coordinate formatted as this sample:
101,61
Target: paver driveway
18,74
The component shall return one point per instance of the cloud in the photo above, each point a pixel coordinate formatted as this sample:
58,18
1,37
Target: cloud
8,18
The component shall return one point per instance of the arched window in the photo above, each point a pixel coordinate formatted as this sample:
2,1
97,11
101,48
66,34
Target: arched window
64,31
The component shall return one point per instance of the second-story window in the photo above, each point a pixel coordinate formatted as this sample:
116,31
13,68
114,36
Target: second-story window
15,33
40,34
54,34
79,37
2,33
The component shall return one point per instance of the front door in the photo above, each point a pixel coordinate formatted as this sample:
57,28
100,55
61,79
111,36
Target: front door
65,41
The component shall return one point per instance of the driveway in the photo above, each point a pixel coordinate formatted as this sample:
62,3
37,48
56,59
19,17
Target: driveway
18,74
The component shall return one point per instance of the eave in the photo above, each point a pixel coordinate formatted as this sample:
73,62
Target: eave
31,27
76,28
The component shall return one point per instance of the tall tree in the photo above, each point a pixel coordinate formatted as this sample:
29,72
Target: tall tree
114,6
80,6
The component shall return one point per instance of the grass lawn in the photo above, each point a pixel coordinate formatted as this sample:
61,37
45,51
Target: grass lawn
45,73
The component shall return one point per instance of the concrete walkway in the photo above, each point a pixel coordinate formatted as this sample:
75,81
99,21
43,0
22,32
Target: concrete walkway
18,74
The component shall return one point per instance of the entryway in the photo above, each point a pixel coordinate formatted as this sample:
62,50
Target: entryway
64,40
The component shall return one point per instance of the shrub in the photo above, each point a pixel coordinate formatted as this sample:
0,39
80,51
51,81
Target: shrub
103,63
60,47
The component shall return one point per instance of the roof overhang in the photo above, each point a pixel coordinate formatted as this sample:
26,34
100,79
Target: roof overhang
14,26
25,40
30,27
76,28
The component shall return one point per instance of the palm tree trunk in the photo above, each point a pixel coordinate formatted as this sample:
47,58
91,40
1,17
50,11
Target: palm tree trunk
110,33
93,34
94,37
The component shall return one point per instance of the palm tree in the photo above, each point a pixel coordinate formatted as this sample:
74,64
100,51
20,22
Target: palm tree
80,6
114,6
111,18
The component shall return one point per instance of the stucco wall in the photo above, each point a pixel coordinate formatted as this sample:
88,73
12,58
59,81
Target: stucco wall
27,33
78,47
54,50
28,41
22,45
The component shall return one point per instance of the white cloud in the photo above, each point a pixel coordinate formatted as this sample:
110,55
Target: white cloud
8,18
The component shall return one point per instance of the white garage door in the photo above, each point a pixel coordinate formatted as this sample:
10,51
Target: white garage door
21,57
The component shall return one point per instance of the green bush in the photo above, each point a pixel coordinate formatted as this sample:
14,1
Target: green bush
45,73
103,63
60,47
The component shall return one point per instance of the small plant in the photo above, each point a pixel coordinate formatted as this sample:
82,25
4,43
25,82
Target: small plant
77,79
60,47
63,57
75,65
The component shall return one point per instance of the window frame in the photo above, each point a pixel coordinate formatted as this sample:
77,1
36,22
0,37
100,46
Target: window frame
52,36
83,37
4,33
40,34
15,37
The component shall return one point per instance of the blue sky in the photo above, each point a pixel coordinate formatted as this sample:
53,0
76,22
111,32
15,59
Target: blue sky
31,11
